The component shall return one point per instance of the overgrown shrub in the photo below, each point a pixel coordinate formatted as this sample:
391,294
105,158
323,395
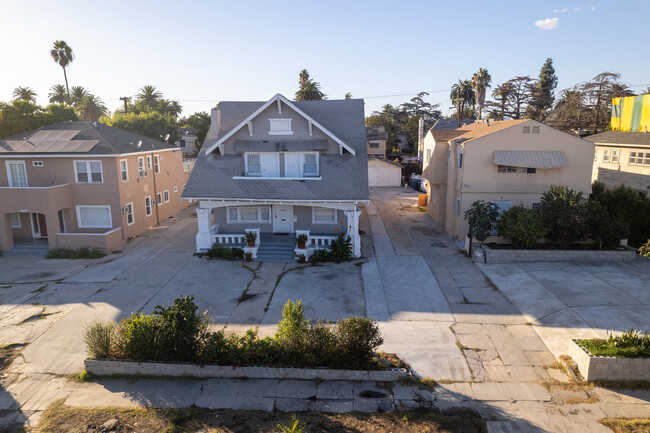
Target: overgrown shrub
138,338
522,226
339,251
644,250
179,328
78,253
100,339
630,344
564,211
217,251
606,229
292,329
357,339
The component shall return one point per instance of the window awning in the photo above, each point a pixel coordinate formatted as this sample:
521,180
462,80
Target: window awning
521,158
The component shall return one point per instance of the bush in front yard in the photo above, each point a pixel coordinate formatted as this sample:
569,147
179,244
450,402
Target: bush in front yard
179,328
357,338
339,251
522,226
79,253
630,344
565,213
217,251
138,338
100,339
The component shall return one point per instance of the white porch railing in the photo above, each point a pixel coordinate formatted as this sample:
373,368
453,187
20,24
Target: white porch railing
321,241
228,239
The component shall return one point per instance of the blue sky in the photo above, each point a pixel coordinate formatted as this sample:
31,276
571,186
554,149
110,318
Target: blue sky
201,52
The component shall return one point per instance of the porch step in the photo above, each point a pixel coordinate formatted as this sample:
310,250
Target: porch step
277,250
27,250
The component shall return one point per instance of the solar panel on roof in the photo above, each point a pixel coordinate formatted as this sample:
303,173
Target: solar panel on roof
42,146
86,145
54,135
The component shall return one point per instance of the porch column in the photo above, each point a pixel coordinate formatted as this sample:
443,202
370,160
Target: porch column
353,231
204,236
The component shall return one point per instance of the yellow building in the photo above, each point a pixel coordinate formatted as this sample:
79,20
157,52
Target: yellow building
631,114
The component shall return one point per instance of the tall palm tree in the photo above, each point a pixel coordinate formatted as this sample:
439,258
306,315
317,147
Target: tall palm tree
24,94
62,54
480,82
90,108
348,95
57,94
303,77
462,94
502,92
78,92
149,95
310,91
173,108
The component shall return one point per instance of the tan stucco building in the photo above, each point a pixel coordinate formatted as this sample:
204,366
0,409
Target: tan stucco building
376,140
622,158
75,184
506,162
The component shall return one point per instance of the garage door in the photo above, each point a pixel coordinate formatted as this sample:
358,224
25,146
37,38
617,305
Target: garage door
384,175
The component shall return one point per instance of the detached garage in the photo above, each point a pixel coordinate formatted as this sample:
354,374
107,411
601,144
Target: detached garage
382,172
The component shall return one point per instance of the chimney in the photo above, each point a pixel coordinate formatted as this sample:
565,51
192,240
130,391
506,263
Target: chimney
215,123
420,137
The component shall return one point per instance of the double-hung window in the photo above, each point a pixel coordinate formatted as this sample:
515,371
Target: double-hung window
615,155
17,174
156,164
147,206
124,170
148,162
323,215
15,220
249,214
88,171
310,164
605,155
129,214
166,195
94,217
159,199
253,164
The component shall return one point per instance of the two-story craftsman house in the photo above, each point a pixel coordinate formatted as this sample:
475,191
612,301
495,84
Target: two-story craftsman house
281,167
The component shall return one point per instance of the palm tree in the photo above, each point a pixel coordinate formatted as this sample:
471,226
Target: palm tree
502,93
173,108
90,108
24,94
348,95
62,54
303,77
481,81
57,94
462,94
78,92
149,95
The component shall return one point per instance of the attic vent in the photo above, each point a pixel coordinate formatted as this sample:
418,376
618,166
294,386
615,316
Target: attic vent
535,129
526,130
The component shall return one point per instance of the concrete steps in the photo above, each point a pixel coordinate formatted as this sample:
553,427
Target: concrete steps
27,250
277,250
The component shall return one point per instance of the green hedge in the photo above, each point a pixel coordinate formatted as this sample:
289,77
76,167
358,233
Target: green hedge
631,344
79,253
217,251
180,334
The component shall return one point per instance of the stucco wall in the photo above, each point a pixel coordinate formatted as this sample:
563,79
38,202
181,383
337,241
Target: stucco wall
382,173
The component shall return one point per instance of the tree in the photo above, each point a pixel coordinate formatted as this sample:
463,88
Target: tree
570,112
173,108
565,211
482,217
462,94
309,90
598,93
644,249
152,124
20,116
62,54
149,95
91,108
542,96
481,81
57,94
199,121
522,226
501,94
24,94
78,93
348,95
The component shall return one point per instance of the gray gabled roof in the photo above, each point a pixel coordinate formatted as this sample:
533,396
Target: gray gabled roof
109,140
444,123
620,137
344,177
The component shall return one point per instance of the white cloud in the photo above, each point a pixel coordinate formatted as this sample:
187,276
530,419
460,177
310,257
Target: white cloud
563,10
548,23
576,9
556,11
593,8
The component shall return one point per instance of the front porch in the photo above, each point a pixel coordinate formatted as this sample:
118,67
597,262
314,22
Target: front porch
276,226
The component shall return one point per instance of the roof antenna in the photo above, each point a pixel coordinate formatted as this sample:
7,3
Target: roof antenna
140,143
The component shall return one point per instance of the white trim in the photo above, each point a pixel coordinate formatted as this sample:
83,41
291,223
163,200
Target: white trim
205,201
10,179
276,178
89,173
156,164
313,215
35,233
19,223
159,199
132,214
90,234
34,187
150,211
264,106
280,121
279,107
126,165
176,189
77,155
37,163
166,196
250,128
93,227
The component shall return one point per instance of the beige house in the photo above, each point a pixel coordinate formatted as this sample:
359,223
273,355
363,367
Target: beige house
507,162
376,140
622,158
75,184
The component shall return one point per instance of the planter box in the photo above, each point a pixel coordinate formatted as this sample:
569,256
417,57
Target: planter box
518,256
608,367
107,367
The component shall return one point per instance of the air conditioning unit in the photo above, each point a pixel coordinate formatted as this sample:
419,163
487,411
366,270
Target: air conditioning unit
125,210
143,173
153,202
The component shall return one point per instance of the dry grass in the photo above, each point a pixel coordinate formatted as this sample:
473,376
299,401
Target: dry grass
619,425
623,384
60,418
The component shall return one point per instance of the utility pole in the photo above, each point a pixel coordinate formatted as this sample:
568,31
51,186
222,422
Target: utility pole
126,99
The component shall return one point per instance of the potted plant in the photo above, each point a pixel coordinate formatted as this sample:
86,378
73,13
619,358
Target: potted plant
302,240
302,258
248,256
250,238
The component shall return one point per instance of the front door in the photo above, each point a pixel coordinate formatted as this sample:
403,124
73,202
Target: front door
39,228
282,218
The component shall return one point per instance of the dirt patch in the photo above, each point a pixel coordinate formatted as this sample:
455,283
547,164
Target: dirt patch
627,425
61,418
8,353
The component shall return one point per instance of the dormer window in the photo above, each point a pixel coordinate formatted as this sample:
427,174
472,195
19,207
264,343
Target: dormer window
280,127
